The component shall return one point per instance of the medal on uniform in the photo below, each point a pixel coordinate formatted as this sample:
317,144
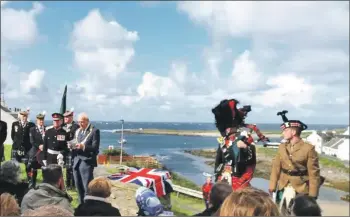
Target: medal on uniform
61,137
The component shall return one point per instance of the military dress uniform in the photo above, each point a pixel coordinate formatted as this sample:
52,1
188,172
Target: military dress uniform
295,170
55,142
37,134
3,136
70,128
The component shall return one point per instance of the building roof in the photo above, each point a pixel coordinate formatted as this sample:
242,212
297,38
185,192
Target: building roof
334,143
326,136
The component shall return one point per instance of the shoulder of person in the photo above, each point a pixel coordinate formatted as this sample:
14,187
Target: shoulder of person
31,124
15,123
49,127
308,145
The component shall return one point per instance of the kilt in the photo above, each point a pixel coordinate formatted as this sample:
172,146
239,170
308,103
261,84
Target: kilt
244,180
51,158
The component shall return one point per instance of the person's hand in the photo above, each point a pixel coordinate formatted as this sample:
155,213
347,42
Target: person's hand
41,147
241,144
80,146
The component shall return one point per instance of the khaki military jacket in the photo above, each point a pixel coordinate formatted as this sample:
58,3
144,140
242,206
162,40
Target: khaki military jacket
304,157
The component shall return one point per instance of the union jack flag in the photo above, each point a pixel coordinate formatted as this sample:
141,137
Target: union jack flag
156,179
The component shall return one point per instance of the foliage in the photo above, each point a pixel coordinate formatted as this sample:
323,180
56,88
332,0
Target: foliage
114,152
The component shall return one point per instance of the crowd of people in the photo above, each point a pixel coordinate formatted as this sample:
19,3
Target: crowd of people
293,190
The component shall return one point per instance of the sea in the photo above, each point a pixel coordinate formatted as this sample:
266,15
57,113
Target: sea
169,150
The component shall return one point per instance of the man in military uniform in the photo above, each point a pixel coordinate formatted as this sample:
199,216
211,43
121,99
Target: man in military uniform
70,127
55,141
21,141
36,134
3,136
295,169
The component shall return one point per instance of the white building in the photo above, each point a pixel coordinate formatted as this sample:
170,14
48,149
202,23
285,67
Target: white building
343,147
319,139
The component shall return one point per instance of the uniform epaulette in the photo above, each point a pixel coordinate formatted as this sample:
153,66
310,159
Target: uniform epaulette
49,127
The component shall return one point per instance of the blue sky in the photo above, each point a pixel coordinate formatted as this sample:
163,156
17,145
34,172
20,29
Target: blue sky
174,61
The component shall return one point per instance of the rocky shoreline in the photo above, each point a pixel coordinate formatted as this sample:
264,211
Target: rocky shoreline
336,177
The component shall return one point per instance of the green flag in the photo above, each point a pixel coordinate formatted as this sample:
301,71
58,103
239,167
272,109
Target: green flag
64,101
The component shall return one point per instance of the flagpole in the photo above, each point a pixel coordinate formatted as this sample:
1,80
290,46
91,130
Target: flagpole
121,144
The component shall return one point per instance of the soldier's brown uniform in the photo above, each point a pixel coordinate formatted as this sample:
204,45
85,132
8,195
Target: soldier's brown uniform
304,156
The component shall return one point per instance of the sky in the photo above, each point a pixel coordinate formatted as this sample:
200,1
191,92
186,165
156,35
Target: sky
175,61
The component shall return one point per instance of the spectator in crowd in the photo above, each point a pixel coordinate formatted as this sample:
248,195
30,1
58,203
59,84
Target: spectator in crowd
9,205
48,210
149,204
50,192
10,180
248,202
206,188
217,196
305,205
96,204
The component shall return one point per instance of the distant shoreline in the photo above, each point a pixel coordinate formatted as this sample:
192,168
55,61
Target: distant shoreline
203,133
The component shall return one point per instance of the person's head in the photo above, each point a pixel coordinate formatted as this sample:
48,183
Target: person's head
48,210
249,202
208,180
9,205
100,187
53,175
305,206
68,117
10,172
219,192
57,120
148,202
83,120
23,116
291,132
40,119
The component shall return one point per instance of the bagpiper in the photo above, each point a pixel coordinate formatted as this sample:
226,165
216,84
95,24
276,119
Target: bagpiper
70,126
55,141
236,156
21,141
295,169
36,135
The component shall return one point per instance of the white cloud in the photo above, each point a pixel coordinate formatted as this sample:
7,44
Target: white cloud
19,27
31,81
102,51
245,74
298,55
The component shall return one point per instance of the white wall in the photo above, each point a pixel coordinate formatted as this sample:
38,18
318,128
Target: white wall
315,140
9,119
346,132
330,151
343,150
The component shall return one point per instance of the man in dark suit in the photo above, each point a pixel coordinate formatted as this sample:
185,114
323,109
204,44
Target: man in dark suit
21,141
36,135
86,147
70,126
3,136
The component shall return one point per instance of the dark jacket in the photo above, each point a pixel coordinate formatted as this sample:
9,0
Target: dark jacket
18,190
208,212
36,139
96,206
46,194
3,136
20,135
92,145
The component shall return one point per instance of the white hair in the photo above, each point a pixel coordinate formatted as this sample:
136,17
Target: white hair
83,116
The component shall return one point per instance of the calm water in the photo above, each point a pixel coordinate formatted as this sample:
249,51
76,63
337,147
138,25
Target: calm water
169,149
